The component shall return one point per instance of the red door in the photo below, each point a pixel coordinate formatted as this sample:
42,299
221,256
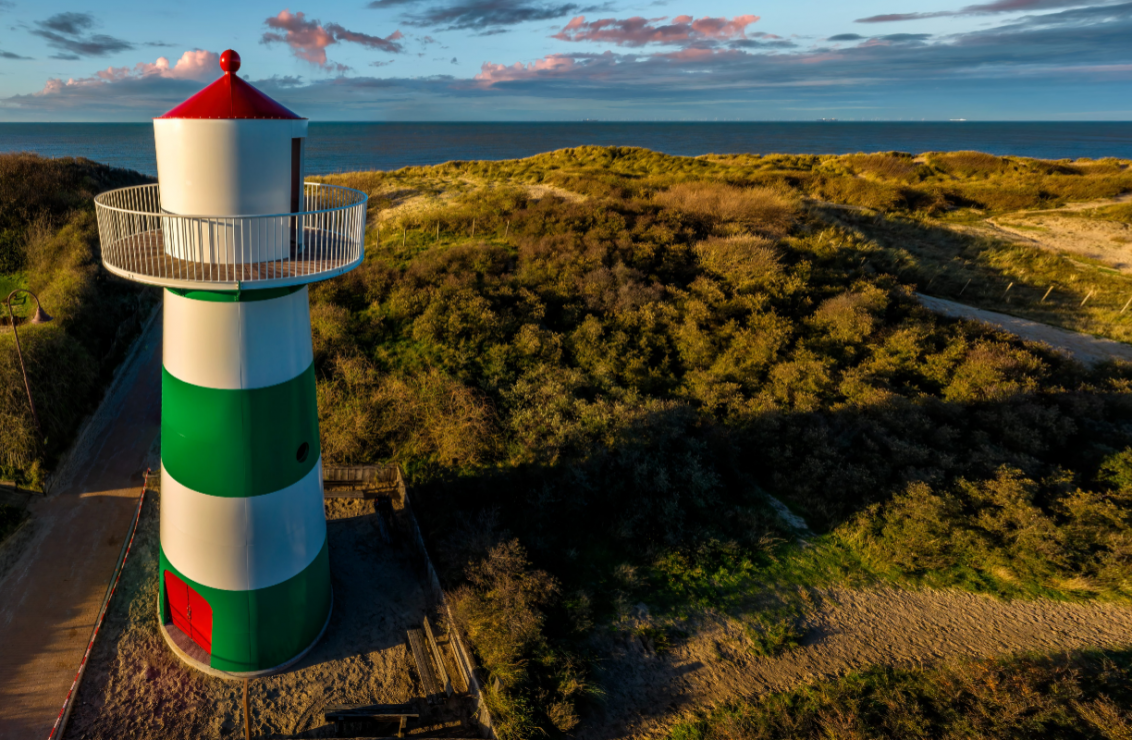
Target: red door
191,613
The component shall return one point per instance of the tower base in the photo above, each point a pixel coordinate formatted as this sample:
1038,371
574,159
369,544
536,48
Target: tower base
233,675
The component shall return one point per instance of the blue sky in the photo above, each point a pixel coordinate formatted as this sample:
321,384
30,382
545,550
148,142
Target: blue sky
453,60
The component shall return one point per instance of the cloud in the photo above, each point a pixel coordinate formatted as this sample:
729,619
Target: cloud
1033,46
900,38
639,31
999,6
547,66
308,39
71,24
488,17
1042,65
197,65
11,55
846,37
69,32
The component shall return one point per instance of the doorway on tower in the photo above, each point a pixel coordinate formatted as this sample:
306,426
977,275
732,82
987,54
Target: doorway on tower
188,618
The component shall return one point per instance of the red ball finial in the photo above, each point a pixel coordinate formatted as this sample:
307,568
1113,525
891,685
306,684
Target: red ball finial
230,62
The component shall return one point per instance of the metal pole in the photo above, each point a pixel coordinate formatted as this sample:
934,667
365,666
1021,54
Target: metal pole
20,353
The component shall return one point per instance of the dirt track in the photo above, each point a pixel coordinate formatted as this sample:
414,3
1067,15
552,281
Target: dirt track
847,630
1082,347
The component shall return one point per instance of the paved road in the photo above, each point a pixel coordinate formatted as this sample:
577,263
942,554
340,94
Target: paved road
1082,347
50,597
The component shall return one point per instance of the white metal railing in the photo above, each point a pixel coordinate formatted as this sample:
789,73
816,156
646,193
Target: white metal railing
142,242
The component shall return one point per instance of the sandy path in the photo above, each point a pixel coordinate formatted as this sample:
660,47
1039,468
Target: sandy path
848,630
1108,242
1082,347
51,594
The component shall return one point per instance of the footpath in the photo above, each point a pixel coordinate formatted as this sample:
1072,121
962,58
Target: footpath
1084,348
50,596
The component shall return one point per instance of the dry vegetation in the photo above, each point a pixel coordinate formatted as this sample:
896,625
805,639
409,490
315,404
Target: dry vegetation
607,382
595,361
48,243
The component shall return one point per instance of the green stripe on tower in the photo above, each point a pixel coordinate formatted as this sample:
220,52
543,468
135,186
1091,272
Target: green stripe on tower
236,296
239,442
264,628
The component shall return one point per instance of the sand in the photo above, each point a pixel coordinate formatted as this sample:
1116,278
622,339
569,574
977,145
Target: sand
1108,242
136,688
846,630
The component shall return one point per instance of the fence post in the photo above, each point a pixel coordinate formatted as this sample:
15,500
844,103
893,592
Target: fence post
247,716
1047,294
1087,297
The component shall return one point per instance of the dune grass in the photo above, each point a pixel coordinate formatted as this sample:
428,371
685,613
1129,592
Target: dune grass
1083,695
593,360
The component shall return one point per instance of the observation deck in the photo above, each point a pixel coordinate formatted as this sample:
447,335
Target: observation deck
141,242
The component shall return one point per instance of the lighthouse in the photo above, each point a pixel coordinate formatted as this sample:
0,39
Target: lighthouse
233,235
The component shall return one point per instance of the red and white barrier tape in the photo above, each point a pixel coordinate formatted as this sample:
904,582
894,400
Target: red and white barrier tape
60,721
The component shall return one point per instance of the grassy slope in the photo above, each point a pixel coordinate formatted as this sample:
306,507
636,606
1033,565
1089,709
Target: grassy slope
49,244
591,392
902,206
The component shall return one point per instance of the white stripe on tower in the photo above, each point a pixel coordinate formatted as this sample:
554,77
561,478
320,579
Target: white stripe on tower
238,345
241,544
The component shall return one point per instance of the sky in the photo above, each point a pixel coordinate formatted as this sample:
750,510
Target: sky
568,60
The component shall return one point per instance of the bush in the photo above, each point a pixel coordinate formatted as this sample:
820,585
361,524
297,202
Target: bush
1006,528
764,210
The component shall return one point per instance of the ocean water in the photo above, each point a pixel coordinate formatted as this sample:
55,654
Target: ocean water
344,147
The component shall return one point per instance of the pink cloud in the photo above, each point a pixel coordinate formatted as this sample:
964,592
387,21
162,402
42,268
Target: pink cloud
639,31
193,65
598,65
552,63
308,39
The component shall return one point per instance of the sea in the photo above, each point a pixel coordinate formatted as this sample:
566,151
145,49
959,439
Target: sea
347,147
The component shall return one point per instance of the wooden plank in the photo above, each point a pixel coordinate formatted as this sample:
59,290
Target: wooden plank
439,657
416,644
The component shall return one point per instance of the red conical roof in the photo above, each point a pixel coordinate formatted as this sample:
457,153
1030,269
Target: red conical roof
230,97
